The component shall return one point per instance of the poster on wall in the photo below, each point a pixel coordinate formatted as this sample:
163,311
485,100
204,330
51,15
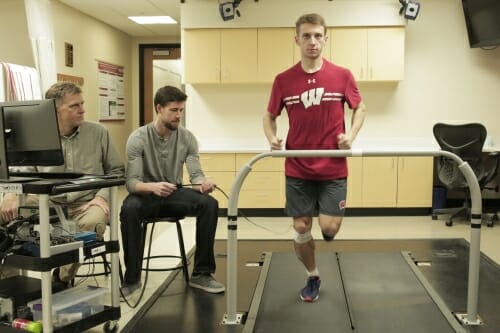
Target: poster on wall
111,91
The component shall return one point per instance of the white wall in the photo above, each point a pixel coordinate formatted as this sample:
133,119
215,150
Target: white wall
14,37
94,41
283,13
445,80
166,72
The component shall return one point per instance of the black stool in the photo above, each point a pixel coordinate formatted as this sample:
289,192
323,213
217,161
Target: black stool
168,219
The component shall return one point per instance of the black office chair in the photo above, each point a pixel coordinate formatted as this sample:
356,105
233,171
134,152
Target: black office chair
466,141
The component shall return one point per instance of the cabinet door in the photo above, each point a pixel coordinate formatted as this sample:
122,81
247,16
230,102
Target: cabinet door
349,49
415,176
224,180
380,181
264,164
217,161
275,52
386,54
355,182
372,54
264,186
219,168
202,55
238,55
263,190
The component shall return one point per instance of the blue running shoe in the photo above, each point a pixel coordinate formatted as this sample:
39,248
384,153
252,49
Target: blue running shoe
310,292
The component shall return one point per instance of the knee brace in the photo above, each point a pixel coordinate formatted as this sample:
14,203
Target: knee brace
303,238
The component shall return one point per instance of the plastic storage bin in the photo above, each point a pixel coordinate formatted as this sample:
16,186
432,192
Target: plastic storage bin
72,305
439,197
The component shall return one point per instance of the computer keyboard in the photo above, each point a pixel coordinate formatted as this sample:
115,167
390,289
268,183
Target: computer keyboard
33,248
64,247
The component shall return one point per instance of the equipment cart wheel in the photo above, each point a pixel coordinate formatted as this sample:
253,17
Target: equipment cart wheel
492,221
111,327
449,222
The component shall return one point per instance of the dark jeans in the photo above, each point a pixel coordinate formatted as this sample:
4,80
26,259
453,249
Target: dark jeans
182,202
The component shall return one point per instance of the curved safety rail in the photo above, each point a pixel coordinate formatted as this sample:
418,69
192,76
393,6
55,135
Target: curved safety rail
471,318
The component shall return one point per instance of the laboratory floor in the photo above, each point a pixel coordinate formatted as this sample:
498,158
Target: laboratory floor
169,306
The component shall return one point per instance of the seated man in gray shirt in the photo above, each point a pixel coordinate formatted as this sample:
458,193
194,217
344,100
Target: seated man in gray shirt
156,154
87,149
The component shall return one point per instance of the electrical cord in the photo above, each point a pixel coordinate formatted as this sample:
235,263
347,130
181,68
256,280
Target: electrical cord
241,213
143,289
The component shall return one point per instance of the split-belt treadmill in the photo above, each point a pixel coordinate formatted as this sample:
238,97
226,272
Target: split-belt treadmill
368,292
361,292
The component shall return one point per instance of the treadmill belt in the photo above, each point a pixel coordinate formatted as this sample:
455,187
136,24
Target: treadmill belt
385,295
282,310
360,292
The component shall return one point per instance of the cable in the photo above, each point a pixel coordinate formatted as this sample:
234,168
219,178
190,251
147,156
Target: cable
143,289
243,215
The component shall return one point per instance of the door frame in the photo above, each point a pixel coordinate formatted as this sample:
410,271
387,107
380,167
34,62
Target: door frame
146,58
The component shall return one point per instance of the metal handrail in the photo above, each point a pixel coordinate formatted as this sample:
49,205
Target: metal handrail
231,317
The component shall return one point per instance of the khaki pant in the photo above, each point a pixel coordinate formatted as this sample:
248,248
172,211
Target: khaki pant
92,219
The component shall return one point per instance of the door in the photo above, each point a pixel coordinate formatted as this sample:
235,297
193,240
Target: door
159,64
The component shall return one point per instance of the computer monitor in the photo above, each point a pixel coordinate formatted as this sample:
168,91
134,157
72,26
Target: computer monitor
31,133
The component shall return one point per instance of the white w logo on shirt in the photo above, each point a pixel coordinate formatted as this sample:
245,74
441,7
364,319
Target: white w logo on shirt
312,97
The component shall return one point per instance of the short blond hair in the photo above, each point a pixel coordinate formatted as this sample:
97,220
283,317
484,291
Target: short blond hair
312,18
59,90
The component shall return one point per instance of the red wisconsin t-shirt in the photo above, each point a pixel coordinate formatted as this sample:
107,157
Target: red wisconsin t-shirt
315,106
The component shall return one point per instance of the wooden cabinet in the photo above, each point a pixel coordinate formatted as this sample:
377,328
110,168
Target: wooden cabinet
275,50
372,54
238,55
373,182
250,55
355,182
218,168
202,55
379,187
264,186
220,55
415,177
403,182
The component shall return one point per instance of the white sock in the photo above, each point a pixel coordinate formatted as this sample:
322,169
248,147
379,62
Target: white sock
314,272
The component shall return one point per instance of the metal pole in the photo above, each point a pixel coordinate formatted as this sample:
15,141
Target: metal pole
43,210
475,248
231,316
113,233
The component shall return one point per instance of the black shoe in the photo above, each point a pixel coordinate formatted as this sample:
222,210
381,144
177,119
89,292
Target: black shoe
129,288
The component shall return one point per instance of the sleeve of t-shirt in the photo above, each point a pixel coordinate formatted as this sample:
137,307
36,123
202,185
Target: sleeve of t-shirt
135,167
352,96
193,165
276,100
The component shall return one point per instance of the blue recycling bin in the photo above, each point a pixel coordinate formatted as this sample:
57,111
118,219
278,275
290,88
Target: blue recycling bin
439,197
